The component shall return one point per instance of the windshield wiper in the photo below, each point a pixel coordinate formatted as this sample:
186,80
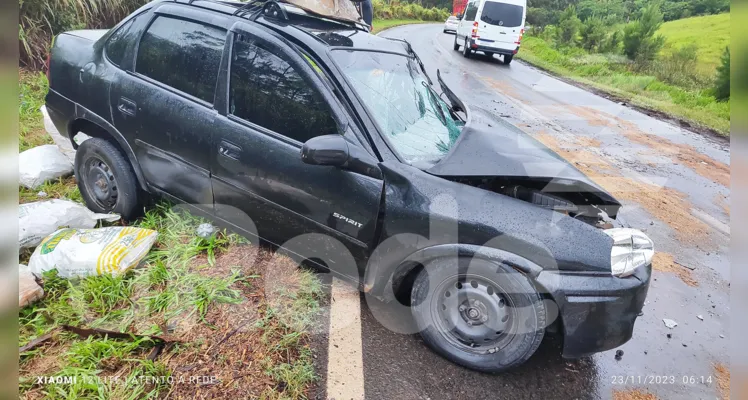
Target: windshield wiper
418,59
435,102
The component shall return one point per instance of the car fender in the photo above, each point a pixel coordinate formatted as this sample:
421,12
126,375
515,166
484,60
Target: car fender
425,215
82,113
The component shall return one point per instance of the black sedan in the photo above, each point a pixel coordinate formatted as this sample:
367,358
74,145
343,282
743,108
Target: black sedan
335,145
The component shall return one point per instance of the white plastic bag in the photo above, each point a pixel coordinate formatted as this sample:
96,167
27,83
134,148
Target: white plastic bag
42,163
39,219
62,142
84,252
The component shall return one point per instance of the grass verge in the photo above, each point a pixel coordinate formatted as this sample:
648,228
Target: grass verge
382,24
608,74
234,313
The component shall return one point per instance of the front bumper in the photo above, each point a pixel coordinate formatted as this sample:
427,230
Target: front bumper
597,311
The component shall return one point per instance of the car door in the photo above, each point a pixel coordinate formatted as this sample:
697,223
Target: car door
165,101
276,99
500,24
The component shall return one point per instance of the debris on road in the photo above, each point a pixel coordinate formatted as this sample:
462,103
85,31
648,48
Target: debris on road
619,355
701,317
84,252
39,219
41,164
669,336
685,266
669,323
206,230
29,290
721,336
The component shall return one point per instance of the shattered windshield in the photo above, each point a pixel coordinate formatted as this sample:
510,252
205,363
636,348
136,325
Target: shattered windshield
407,109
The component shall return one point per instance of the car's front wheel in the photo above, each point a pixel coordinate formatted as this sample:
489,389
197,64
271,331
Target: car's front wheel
479,314
106,179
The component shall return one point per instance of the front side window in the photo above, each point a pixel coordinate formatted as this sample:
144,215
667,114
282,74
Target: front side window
470,11
182,54
266,90
408,111
502,14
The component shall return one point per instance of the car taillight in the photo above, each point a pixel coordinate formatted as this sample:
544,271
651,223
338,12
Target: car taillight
521,33
474,34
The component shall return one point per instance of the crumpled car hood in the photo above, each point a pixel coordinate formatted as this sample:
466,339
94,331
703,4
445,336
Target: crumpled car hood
488,146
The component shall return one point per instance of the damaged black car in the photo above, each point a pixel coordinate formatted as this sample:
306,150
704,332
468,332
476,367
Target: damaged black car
336,145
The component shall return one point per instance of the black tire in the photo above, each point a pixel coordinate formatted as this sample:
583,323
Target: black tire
515,315
508,58
466,49
106,179
456,46
488,54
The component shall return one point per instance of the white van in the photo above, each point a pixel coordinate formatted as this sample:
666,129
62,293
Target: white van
492,26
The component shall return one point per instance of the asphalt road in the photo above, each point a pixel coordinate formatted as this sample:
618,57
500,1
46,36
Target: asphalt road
674,185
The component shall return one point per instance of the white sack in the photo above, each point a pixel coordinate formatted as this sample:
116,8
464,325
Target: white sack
85,252
41,164
39,219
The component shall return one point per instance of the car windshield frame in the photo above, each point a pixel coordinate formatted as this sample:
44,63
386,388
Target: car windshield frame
393,147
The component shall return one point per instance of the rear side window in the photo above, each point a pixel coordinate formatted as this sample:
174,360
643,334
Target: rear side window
470,11
266,90
502,14
182,54
116,45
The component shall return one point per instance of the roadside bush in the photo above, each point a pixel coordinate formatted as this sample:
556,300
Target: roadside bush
397,10
40,20
612,43
593,33
568,27
539,18
722,82
641,42
680,67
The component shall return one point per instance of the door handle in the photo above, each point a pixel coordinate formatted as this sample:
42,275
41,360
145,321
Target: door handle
229,150
127,106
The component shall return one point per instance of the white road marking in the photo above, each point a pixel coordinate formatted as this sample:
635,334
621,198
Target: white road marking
345,363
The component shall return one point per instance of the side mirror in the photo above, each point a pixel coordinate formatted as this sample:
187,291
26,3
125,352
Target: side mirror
459,16
334,150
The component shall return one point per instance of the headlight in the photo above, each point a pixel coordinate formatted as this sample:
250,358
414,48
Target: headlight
631,249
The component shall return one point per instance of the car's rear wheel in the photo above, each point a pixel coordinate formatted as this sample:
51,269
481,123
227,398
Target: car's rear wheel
488,54
106,179
456,46
479,314
466,49
508,58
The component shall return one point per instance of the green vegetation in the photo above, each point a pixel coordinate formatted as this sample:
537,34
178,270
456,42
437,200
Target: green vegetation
397,10
710,34
40,20
541,13
636,61
613,74
182,292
